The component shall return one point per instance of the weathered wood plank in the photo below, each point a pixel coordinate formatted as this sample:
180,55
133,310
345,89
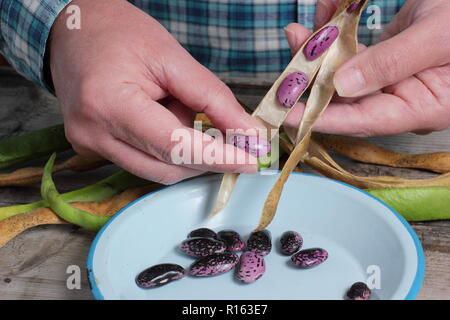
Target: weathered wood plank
33,266
436,285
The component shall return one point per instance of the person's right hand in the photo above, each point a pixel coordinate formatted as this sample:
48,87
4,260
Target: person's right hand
124,85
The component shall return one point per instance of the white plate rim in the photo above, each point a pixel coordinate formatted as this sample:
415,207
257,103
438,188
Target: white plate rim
412,293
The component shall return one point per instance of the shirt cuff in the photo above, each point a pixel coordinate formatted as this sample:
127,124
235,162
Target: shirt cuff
25,28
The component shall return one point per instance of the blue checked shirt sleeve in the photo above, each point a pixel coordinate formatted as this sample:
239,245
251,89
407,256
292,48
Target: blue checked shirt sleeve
24,30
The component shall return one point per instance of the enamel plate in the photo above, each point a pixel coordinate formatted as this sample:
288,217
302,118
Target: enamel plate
366,241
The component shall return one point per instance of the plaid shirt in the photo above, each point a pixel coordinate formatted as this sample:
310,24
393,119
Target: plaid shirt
230,37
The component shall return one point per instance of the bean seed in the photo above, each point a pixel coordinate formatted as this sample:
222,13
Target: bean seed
159,275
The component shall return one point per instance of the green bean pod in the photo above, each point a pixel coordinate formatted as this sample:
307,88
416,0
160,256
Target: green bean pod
417,204
99,191
32,145
63,209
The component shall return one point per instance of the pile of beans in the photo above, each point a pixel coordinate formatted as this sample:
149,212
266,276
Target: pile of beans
217,253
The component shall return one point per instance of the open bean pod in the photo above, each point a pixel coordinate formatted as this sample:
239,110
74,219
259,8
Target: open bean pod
414,199
338,36
367,152
344,45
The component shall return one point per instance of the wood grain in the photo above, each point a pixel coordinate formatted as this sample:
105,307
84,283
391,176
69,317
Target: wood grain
34,264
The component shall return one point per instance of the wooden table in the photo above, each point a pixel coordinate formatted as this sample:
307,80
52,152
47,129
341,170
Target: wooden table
34,264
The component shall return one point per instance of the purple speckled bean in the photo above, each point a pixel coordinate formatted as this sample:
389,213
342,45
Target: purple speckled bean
251,267
320,42
359,291
202,233
291,88
255,146
232,239
214,264
310,257
291,242
352,8
202,247
159,275
260,242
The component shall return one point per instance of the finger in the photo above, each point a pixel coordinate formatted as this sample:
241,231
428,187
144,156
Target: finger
296,34
360,119
324,11
380,114
201,90
423,132
182,112
144,165
390,61
153,129
339,99
397,24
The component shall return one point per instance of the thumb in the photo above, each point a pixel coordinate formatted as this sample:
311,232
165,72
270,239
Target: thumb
296,34
407,53
324,11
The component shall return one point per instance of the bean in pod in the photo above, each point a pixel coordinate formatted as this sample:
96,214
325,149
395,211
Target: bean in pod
214,264
232,240
354,6
260,242
251,267
202,233
309,258
359,291
202,247
159,275
291,88
256,146
291,242
321,42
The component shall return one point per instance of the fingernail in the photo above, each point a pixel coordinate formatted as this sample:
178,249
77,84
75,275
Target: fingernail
349,82
288,31
255,146
290,35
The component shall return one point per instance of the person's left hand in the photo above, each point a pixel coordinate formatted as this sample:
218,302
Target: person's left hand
401,84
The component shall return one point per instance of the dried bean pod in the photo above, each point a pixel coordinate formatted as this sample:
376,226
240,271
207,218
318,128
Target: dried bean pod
232,240
260,242
310,257
291,88
256,146
202,247
202,233
291,242
214,264
159,275
352,8
359,291
251,267
321,42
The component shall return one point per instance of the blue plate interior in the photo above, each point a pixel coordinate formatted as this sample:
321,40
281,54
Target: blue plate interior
361,234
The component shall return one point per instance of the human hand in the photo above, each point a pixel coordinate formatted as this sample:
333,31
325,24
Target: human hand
401,84
124,85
